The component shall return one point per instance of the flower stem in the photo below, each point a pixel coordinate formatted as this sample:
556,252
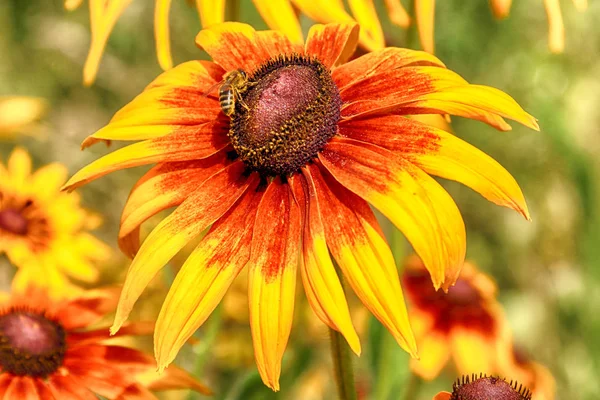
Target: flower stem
342,366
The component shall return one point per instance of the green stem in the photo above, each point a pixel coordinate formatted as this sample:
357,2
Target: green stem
342,366
412,387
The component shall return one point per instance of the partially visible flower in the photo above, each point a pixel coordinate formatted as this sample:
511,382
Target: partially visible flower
466,324
518,365
43,231
18,115
484,387
278,14
312,140
556,28
48,351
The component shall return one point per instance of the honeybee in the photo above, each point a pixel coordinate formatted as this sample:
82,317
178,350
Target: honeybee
232,86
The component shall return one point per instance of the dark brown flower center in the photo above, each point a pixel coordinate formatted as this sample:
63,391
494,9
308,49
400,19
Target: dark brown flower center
463,305
13,221
289,111
30,344
488,388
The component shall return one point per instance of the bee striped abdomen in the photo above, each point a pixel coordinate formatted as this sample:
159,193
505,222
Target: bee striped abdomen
226,99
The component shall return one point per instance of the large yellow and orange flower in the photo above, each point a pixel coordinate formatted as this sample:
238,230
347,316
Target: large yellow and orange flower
312,141
43,231
466,324
49,350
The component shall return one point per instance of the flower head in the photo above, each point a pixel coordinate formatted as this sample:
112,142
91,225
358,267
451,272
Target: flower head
466,324
484,387
43,231
311,141
48,351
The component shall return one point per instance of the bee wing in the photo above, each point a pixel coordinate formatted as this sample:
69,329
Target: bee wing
212,89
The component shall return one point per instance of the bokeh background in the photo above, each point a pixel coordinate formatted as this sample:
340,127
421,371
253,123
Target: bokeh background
547,270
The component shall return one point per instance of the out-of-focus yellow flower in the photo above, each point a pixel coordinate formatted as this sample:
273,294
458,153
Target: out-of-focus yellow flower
18,115
43,231
278,14
556,28
50,351
466,324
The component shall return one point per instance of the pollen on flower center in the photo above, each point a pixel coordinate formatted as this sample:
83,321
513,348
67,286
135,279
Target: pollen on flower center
30,344
288,114
485,388
12,221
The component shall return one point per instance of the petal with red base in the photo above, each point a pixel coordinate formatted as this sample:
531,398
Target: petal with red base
68,388
205,277
442,154
165,185
358,245
429,90
181,146
410,198
332,44
87,309
376,62
272,278
21,388
197,212
234,45
319,277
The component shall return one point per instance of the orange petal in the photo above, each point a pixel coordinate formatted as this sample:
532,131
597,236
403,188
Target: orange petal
425,14
176,100
432,91
103,17
135,392
81,338
556,28
391,58
319,277
211,12
410,198
165,185
500,8
174,378
397,13
161,33
280,16
203,142
442,396
98,375
442,154
67,388
276,43
204,278
233,45
87,308
332,44
358,245
272,278
22,388
434,352
197,212
370,29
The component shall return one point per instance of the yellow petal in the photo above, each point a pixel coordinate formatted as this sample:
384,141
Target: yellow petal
211,12
204,278
103,17
370,29
425,14
19,166
279,15
71,5
556,28
472,351
161,33
434,353
397,13
319,277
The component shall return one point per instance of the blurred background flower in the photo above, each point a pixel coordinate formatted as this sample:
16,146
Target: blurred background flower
19,115
547,271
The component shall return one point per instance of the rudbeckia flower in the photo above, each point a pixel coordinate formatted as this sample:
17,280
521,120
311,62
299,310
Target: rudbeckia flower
465,324
18,115
43,231
312,140
48,351
556,28
484,387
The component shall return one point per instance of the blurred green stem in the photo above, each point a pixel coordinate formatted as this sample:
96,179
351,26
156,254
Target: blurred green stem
341,355
412,387
342,366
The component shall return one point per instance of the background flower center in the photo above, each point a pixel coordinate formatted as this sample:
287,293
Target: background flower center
293,107
12,221
30,344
